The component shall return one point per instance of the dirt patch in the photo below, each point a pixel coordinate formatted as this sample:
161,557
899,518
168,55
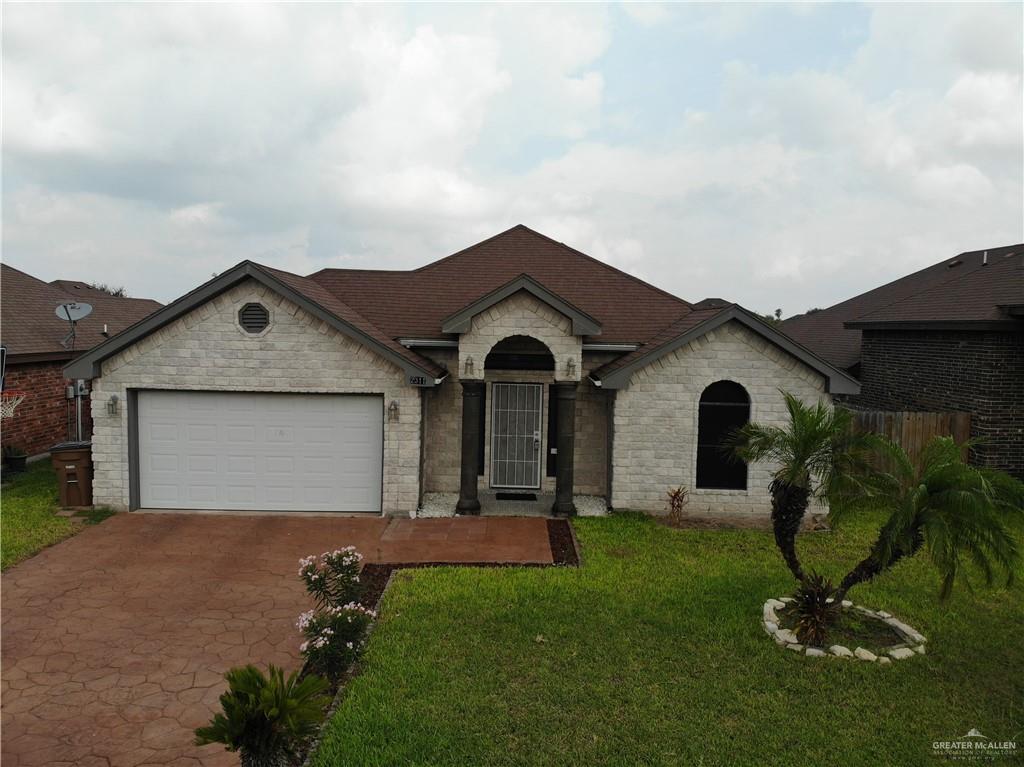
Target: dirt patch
853,629
563,545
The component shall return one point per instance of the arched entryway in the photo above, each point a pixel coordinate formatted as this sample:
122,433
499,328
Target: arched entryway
517,412
518,426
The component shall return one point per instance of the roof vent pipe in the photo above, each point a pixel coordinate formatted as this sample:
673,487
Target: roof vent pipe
984,259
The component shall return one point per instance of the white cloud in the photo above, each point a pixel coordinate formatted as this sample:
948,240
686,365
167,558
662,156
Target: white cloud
153,145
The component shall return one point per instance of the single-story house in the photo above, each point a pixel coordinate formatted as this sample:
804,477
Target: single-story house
518,365
38,348
947,338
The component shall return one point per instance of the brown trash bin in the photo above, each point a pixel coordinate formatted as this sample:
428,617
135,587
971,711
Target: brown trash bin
73,462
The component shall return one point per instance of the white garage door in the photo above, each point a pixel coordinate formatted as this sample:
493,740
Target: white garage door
260,452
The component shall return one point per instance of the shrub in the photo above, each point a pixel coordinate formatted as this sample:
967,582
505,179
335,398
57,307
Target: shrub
814,609
267,718
334,636
678,497
333,578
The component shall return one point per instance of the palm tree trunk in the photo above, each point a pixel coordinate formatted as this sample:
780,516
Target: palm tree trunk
789,504
873,564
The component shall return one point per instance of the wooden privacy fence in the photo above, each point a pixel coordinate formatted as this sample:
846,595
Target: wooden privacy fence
912,430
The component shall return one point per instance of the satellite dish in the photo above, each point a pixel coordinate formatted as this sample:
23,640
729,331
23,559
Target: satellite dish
73,311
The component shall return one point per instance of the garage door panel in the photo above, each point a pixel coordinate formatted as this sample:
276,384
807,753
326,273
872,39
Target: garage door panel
276,452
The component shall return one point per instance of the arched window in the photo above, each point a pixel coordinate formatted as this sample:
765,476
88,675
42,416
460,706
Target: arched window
724,406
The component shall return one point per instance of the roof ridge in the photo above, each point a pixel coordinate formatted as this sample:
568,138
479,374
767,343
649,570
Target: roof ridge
535,233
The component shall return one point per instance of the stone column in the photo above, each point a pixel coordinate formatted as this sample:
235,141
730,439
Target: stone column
566,393
472,393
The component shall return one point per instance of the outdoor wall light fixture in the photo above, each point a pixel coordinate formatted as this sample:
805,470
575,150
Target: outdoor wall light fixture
112,404
469,366
393,410
570,368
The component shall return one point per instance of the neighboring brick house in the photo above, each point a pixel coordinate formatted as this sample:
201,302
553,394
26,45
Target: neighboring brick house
517,366
946,338
32,334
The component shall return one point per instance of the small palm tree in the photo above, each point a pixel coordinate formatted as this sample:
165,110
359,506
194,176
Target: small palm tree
941,504
266,718
818,454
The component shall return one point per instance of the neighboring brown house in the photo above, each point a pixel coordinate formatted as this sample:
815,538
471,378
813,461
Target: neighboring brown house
949,337
32,334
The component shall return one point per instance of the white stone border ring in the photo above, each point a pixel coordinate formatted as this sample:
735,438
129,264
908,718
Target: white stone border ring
912,645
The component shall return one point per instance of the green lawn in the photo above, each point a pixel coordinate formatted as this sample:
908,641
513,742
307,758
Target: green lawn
28,522
652,653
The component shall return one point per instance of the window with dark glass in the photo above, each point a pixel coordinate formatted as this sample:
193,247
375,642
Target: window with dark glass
724,407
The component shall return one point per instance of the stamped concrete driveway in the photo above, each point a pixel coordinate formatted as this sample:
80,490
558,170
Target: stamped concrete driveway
115,641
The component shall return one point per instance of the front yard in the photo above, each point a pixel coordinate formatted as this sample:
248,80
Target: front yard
652,653
28,519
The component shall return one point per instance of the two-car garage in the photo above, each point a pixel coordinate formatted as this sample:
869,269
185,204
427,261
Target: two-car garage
259,451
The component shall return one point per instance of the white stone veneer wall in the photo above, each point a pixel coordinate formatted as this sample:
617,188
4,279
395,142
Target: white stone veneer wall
655,442
206,350
521,314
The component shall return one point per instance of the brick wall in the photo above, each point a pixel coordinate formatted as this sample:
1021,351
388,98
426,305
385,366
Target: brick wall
978,372
655,441
206,350
42,419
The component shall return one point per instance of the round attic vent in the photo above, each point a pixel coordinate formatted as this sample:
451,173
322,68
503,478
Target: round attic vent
254,318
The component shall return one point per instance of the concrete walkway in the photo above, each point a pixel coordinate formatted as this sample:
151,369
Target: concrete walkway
115,641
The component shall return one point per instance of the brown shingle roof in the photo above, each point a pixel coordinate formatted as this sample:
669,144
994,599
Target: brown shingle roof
662,337
977,296
956,291
28,324
320,295
414,303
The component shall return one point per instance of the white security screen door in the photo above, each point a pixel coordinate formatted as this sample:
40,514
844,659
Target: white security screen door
515,435
260,452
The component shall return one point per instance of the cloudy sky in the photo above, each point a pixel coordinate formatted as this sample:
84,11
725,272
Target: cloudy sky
779,156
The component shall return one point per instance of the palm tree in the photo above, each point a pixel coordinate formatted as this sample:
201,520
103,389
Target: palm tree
939,503
268,718
818,454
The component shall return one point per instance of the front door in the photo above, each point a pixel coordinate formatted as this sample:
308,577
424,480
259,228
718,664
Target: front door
515,435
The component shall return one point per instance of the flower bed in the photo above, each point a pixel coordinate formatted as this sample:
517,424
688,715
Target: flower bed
909,642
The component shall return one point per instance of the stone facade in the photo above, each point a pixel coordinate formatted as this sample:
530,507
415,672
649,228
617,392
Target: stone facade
443,416
980,372
45,417
207,350
655,419
521,314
